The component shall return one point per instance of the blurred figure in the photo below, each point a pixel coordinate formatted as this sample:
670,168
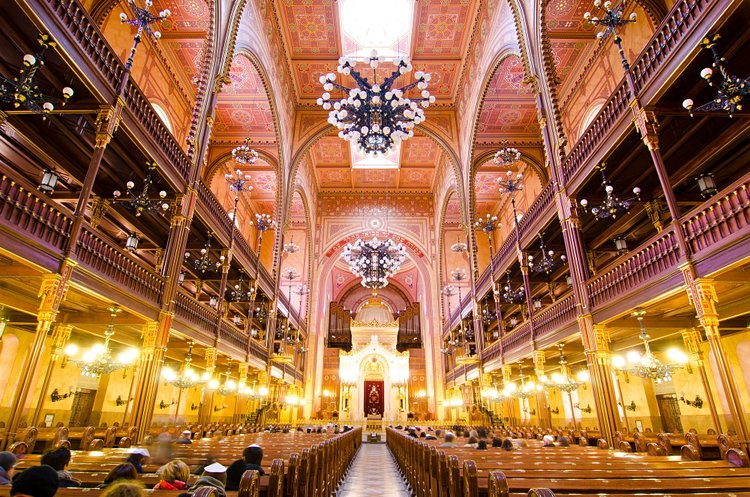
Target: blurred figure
507,444
173,476
482,445
234,474
59,459
563,442
36,481
130,488
8,463
124,471
449,440
472,442
138,457
548,441
184,438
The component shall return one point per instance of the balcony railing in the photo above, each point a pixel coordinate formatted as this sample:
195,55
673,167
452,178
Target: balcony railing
555,317
27,211
655,258
517,338
194,313
536,210
102,257
233,336
723,217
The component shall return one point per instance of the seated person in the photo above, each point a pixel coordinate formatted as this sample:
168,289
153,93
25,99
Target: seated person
214,475
449,440
482,445
36,481
253,456
184,438
563,441
138,457
125,489
548,441
124,471
8,463
497,442
173,476
472,442
234,474
59,459
507,444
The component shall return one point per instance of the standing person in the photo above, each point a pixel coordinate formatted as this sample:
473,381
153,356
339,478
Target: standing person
36,481
8,463
59,459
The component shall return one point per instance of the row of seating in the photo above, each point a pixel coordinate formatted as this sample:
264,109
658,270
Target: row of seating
437,471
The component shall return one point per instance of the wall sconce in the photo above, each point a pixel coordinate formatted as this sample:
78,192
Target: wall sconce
131,244
217,408
529,412
212,301
537,304
569,281
237,319
706,185
621,244
697,403
181,278
556,410
513,321
55,396
631,406
49,181
586,409
194,407
164,405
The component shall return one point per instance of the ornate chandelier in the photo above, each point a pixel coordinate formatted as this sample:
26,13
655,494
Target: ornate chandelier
374,261
731,91
374,115
244,154
647,365
563,381
548,262
611,206
238,292
507,155
98,359
510,295
451,344
142,202
203,264
22,91
187,377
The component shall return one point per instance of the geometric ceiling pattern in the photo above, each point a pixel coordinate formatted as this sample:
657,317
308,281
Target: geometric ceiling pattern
331,160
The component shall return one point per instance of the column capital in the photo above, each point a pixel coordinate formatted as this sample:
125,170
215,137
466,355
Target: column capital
646,124
539,360
107,121
99,209
148,337
210,356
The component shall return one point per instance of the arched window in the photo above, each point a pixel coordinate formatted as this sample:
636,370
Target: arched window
163,116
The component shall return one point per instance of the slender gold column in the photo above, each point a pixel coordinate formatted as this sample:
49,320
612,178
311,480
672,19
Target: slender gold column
60,337
692,340
596,344
207,397
543,413
51,293
155,336
702,294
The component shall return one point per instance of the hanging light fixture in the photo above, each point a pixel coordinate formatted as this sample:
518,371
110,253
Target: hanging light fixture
451,344
142,202
244,154
706,185
22,90
507,155
611,206
187,377
563,381
548,262
228,386
374,115
647,365
203,263
621,244
98,359
510,295
732,89
237,292
142,20
374,261
131,243
290,247
49,181
300,289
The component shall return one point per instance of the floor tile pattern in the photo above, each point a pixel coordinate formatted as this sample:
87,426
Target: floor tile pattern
373,473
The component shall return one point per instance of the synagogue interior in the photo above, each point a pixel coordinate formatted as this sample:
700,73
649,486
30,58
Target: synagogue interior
408,227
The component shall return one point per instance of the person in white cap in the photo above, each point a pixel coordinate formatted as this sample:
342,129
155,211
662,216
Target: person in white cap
184,438
214,475
138,457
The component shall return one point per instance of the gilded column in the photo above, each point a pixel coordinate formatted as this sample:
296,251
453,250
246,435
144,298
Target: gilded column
692,340
155,336
596,344
60,337
207,397
509,407
52,292
702,294
545,417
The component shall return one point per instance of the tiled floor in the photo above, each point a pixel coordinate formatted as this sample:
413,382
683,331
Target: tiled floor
373,473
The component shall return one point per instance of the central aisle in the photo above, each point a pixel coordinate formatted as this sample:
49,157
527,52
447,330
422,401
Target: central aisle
373,473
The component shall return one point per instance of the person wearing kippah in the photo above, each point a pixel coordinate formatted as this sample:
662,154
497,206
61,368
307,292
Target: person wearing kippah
8,463
214,475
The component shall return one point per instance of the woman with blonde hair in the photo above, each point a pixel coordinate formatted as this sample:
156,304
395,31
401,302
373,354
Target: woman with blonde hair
173,476
125,488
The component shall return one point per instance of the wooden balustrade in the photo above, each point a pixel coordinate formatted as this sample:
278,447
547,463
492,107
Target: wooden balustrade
724,217
83,29
652,259
555,317
456,372
102,257
491,351
218,219
535,211
257,349
27,211
517,338
194,313
232,335
681,18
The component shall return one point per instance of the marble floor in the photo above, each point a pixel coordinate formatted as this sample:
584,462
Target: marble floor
373,473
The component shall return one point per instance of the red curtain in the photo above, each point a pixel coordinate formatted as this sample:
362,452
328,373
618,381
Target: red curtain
374,398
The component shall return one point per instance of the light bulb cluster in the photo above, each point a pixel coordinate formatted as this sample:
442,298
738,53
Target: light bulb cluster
375,116
612,206
143,18
374,261
507,155
263,222
244,154
142,202
612,18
